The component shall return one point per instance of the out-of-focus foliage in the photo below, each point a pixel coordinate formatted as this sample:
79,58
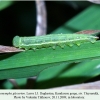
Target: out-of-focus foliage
5,4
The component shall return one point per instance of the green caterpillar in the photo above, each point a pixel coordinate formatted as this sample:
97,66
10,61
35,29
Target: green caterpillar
52,40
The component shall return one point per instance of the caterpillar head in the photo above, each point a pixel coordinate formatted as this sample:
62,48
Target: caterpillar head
16,41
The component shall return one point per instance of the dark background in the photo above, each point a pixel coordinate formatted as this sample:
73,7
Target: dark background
20,17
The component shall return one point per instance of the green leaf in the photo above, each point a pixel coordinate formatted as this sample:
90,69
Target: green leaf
8,85
86,20
30,63
68,74
5,4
